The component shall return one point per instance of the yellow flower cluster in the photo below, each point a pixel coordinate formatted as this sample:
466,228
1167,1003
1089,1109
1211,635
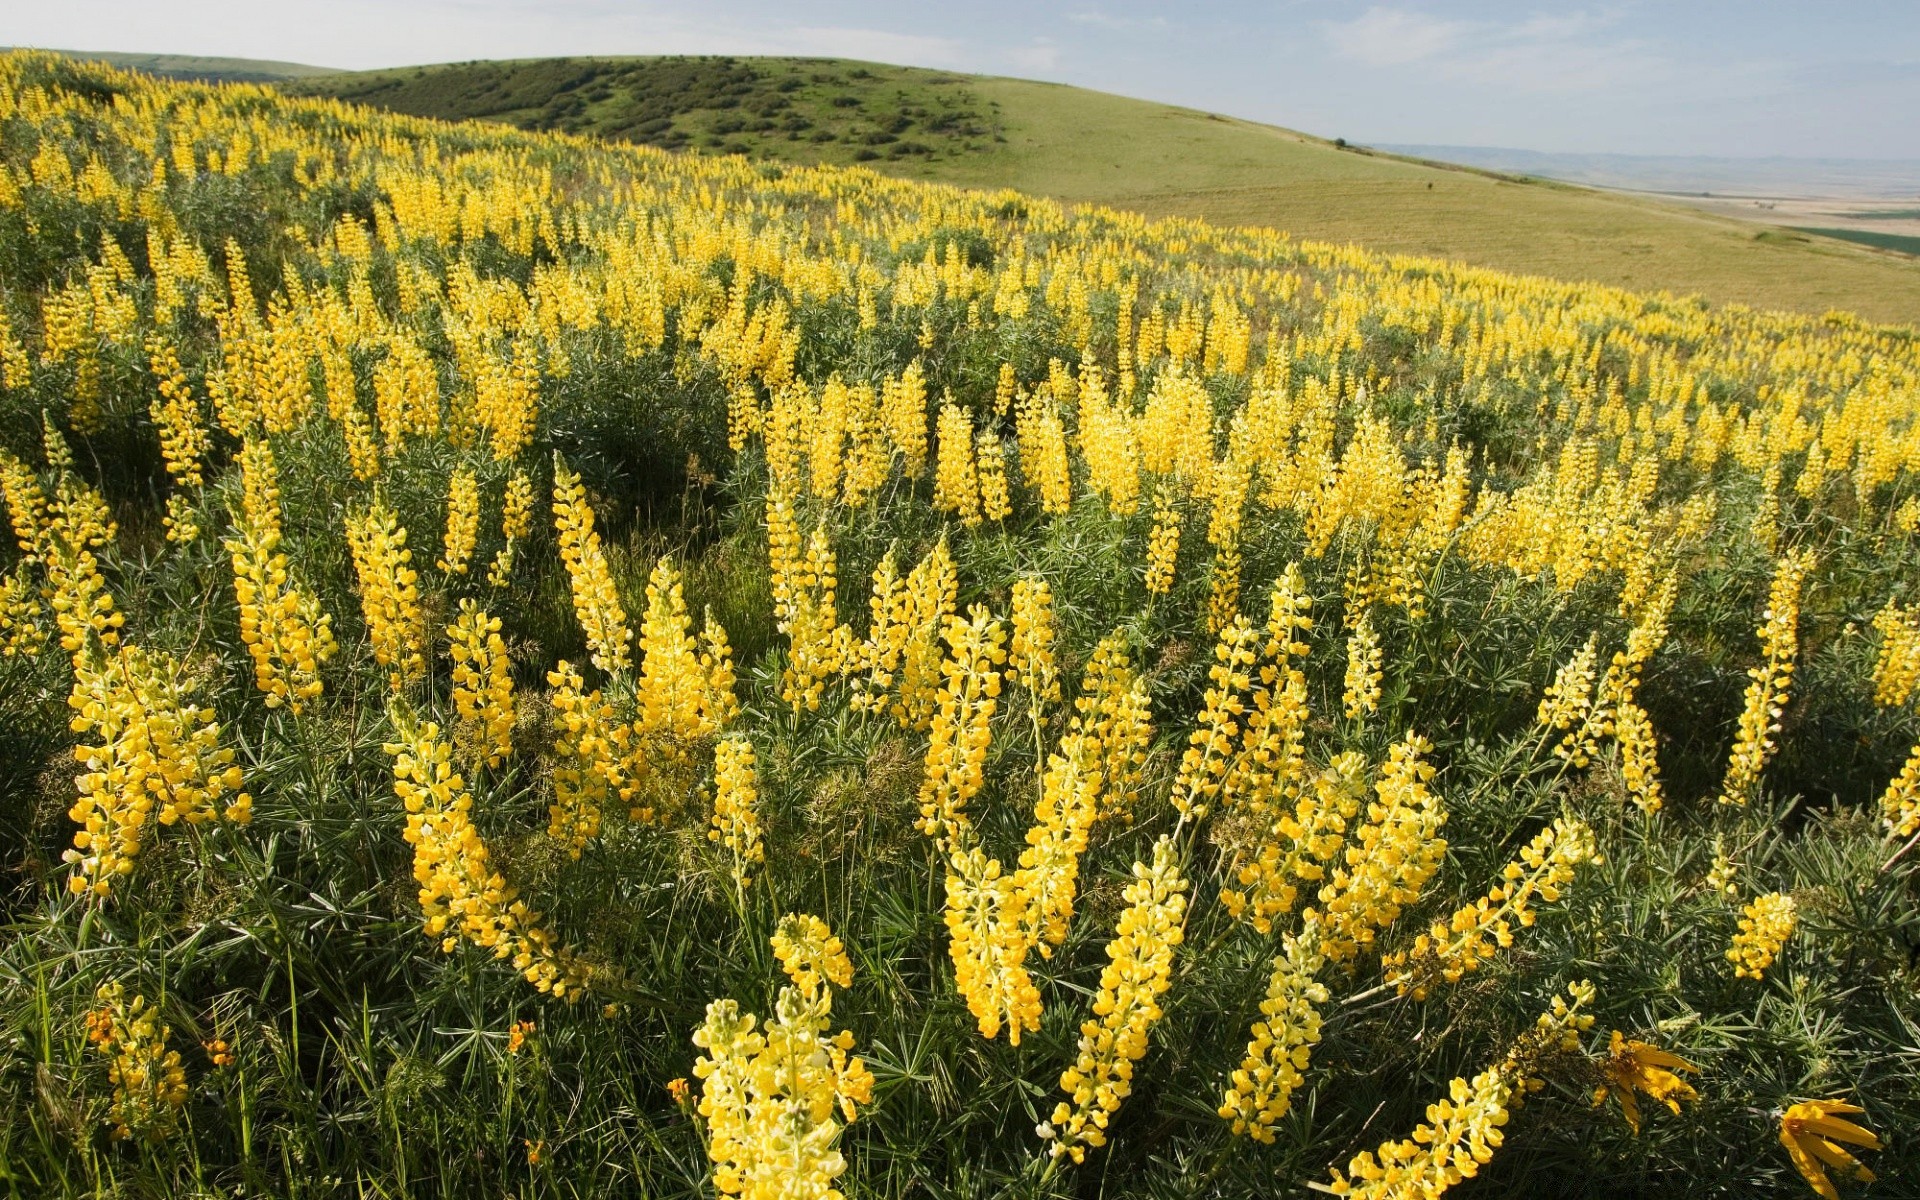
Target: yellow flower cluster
20,633
683,694
901,654
389,595
736,817
1389,858
776,1097
1765,925
149,1084
1766,696
286,634
1475,933
184,436
1299,842
1260,1090
988,939
155,756
516,522
1204,764
83,609
482,690
1139,970
1163,542
1632,1067
1113,714
1030,658
1896,667
1568,708
463,522
956,481
1364,658
1463,1131
461,895
1813,1132
957,749
596,602
588,766
1900,803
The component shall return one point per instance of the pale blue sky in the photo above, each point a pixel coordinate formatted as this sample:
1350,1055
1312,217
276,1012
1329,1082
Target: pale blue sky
1839,78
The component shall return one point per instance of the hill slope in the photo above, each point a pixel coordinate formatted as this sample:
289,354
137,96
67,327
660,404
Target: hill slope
1084,146
198,68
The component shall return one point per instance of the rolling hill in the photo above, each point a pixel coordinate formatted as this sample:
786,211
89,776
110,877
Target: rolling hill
197,68
1083,146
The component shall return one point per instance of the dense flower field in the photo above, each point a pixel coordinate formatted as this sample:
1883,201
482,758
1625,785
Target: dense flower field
536,668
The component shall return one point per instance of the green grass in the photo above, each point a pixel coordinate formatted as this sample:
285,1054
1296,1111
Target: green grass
1084,146
1903,243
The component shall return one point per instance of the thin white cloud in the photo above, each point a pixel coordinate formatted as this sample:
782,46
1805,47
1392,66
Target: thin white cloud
1392,37
1038,55
1099,19
1559,52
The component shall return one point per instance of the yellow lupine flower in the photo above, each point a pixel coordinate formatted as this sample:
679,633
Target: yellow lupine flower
389,595
1765,925
1364,656
149,1083
1139,971
588,768
461,896
1463,1131
1475,933
1030,658
957,751
1260,1091
736,820
1767,695
1163,543
155,755
776,1097
596,602
463,522
482,690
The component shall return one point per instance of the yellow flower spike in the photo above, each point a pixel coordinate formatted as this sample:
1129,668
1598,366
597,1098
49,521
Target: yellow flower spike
956,481
1767,695
154,757
1364,656
1163,543
1900,803
1815,1133
1475,934
482,690
463,522
957,750
736,820
1030,662
462,898
596,602
588,768
1765,926
1260,1091
389,595
1633,1067
1464,1131
149,1082
1139,971
776,1096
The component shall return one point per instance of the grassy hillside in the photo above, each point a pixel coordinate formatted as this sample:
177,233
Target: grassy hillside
199,68
1079,145
1177,712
